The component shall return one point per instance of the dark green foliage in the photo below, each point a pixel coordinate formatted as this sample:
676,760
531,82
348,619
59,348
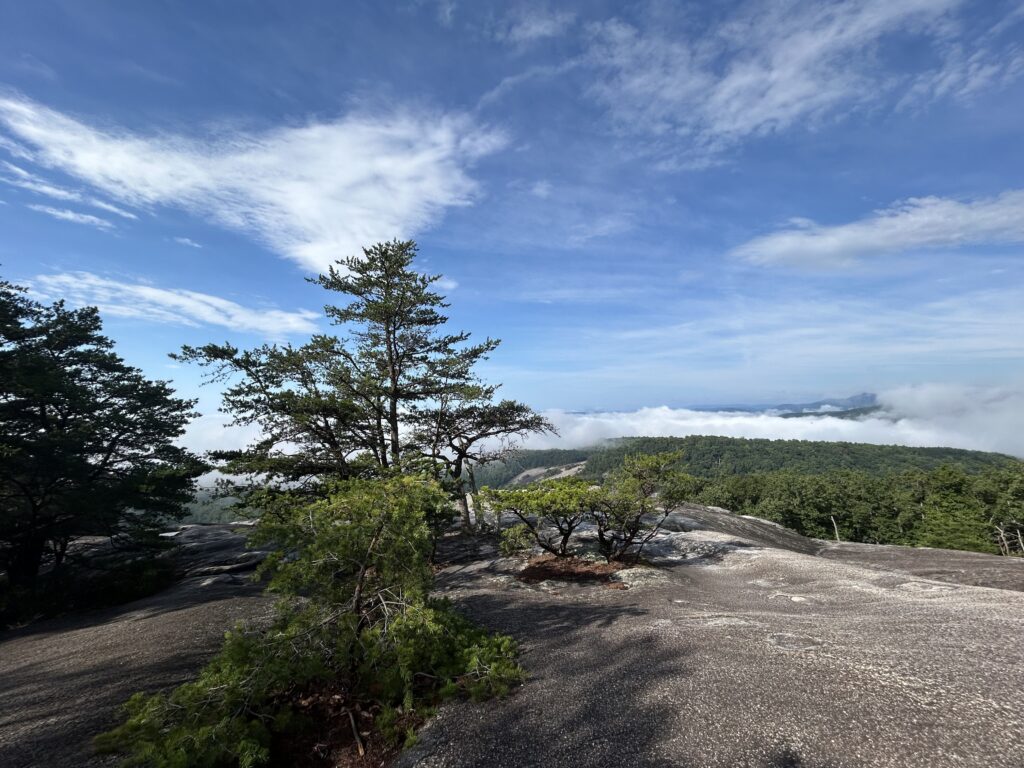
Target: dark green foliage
706,456
398,354
398,393
718,457
941,497
627,510
636,500
952,516
87,441
498,473
715,457
515,539
355,622
1003,493
309,421
549,511
946,507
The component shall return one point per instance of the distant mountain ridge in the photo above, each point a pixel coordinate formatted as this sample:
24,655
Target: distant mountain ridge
849,413
828,405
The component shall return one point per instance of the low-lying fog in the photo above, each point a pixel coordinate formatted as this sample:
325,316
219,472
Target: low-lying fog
930,415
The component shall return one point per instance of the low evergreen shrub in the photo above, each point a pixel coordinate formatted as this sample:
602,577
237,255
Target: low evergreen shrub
355,633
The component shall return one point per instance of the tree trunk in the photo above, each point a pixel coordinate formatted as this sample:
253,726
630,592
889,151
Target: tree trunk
23,570
463,502
396,449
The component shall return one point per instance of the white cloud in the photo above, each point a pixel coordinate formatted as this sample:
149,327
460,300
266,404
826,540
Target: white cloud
22,179
737,347
313,193
526,25
29,64
924,416
914,224
109,207
187,241
931,415
214,431
446,12
537,72
771,66
73,216
171,305
541,189
816,335
606,225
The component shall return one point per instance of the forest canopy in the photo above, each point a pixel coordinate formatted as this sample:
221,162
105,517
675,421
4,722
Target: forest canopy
879,494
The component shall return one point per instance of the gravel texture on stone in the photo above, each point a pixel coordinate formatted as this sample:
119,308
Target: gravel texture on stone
747,645
767,655
63,680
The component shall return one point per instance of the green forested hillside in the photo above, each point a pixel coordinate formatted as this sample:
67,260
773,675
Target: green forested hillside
706,456
944,507
884,494
497,474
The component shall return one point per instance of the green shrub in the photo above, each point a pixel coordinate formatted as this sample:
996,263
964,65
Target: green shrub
550,511
515,539
356,622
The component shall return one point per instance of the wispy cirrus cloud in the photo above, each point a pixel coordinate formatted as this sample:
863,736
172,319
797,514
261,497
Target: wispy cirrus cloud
63,214
313,193
528,24
171,305
15,176
914,224
187,241
823,334
768,67
742,348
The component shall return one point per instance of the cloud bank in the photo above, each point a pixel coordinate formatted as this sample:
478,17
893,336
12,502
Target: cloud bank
171,305
933,415
914,224
313,193
929,415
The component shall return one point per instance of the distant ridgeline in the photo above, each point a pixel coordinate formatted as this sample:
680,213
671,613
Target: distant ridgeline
880,494
712,457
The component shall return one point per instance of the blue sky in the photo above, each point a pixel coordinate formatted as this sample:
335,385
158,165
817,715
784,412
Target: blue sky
652,204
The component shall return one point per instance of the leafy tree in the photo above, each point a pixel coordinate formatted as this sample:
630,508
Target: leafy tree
562,505
1008,519
87,441
951,517
397,347
399,393
311,424
467,429
636,501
